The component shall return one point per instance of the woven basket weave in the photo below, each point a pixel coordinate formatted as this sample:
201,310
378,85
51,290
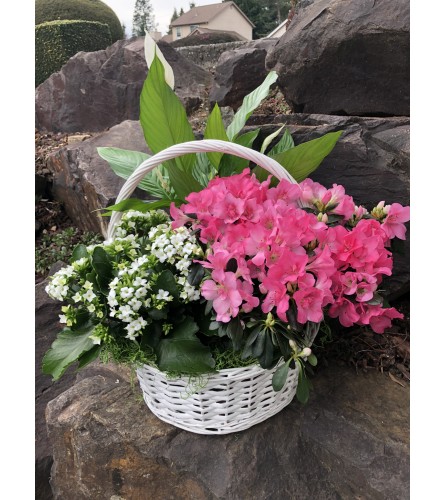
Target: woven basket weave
233,399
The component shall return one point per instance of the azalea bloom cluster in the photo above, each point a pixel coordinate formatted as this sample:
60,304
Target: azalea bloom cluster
293,245
145,247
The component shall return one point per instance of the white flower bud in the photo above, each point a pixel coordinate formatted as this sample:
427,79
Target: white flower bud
306,352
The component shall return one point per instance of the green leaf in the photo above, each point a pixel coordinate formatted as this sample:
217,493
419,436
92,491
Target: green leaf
215,130
68,347
235,333
166,281
203,171
305,158
102,264
79,252
183,182
286,142
183,353
266,358
312,360
280,376
89,356
250,103
196,274
270,138
163,117
302,387
138,205
124,162
231,164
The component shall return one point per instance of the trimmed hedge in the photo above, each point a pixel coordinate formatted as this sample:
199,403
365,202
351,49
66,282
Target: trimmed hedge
205,39
85,10
57,41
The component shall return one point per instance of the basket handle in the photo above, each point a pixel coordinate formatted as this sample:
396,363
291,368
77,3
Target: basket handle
202,146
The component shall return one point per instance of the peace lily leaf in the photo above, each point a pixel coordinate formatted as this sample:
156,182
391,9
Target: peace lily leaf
302,160
280,376
163,118
151,49
66,349
215,130
182,352
270,138
203,171
250,103
138,205
286,142
124,162
231,164
183,182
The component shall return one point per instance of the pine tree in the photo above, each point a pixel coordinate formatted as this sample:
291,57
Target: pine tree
124,34
175,16
143,18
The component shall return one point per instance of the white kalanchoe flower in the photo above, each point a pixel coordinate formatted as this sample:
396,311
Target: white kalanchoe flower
90,295
163,295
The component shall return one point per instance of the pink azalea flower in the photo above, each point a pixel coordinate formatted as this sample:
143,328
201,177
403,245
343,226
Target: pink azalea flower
309,305
344,310
225,295
393,225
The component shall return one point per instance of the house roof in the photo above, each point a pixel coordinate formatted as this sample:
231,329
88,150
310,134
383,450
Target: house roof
272,33
205,13
202,30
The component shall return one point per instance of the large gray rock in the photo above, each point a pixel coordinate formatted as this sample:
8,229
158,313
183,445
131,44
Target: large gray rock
238,72
84,182
346,57
350,441
96,90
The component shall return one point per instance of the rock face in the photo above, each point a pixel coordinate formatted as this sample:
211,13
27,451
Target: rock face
238,72
346,57
84,182
96,90
107,444
371,160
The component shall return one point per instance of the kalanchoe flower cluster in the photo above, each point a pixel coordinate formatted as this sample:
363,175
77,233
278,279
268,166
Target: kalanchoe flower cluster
145,248
294,245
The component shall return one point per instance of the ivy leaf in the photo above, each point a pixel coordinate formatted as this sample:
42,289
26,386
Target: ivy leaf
183,352
250,103
68,347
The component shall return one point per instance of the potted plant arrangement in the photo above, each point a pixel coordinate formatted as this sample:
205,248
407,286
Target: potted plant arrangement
216,290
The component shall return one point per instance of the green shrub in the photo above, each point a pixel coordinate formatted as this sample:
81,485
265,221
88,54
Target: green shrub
57,41
86,10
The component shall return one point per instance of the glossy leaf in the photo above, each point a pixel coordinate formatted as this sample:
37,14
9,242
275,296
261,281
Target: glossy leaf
79,252
231,164
68,347
215,130
286,142
250,103
124,162
280,376
166,281
163,117
183,352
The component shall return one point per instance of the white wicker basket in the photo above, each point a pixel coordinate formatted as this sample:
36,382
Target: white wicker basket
233,399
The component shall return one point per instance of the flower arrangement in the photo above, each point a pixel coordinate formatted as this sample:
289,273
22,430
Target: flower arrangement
242,270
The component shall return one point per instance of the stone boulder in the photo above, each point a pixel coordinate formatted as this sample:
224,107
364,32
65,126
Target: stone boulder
96,90
371,160
351,440
84,182
346,57
238,72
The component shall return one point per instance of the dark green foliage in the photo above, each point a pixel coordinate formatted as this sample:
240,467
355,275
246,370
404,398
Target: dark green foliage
57,41
85,10
266,15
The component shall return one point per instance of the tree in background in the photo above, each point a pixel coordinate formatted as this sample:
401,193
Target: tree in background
143,18
265,14
192,4
124,36
173,18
